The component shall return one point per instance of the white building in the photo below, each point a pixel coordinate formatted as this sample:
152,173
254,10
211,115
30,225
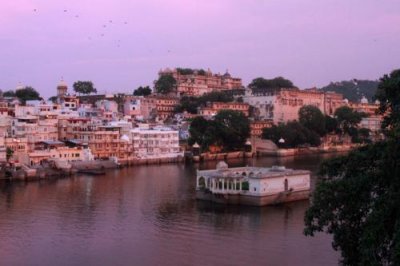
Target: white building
252,185
158,142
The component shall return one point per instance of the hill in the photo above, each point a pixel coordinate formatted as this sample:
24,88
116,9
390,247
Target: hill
354,89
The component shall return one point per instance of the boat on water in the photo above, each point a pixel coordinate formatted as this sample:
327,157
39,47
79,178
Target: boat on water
92,171
257,186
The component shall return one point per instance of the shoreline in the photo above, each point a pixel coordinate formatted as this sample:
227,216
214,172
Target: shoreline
97,167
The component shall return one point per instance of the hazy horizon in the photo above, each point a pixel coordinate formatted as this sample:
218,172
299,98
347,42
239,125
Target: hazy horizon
120,45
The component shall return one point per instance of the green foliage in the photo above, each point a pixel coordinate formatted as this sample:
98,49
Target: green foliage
165,84
191,103
9,93
229,129
353,90
357,198
294,134
389,96
53,99
84,87
331,125
204,132
201,72
185,71
313,119
26,94
348,118
9,153
234,129
269,85
142,91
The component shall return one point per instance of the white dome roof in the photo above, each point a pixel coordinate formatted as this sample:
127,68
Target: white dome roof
364,100
62,84
222,165
125,138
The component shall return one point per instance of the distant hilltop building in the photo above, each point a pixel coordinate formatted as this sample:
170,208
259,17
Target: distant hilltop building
196,82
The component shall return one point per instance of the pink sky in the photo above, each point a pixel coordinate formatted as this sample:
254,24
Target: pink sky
309,42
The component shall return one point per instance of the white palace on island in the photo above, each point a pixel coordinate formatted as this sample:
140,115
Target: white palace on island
256,186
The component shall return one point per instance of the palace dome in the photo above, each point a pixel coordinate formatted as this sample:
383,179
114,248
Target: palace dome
222,165
62,84
125,138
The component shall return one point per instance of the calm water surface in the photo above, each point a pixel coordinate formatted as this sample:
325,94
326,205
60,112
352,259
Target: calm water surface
148,216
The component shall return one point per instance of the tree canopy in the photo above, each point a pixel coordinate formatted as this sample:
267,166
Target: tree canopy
192,103
165,84
265,85
26,94
293,133
357,198
9,93
348,119
84,87
142,91
312,118
229,129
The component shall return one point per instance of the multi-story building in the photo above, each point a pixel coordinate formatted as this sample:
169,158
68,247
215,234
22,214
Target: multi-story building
140,108
213,108
283,105
34,129
256,127
158,142
198,82
165,106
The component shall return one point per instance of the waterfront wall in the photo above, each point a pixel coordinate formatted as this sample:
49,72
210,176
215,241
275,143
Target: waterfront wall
242,199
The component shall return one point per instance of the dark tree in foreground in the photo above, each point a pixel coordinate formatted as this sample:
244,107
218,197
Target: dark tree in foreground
84,87
357,199
27,94
142,91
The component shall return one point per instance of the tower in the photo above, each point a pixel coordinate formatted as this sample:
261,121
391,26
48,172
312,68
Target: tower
62,89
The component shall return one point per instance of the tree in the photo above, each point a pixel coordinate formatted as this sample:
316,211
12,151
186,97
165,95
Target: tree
142,91
9,93
294,134
269,85
84,87
229,130
185,71
313,119
191,103
331,124
357,198
389,96
348,118
9,153
52,99
203,132
234,129
165,84
26,94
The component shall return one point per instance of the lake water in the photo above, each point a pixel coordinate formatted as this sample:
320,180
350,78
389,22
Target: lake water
148,215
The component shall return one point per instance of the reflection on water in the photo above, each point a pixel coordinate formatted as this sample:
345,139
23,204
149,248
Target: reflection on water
148,216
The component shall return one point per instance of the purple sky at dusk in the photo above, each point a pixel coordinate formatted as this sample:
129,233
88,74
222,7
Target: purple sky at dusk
310,42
